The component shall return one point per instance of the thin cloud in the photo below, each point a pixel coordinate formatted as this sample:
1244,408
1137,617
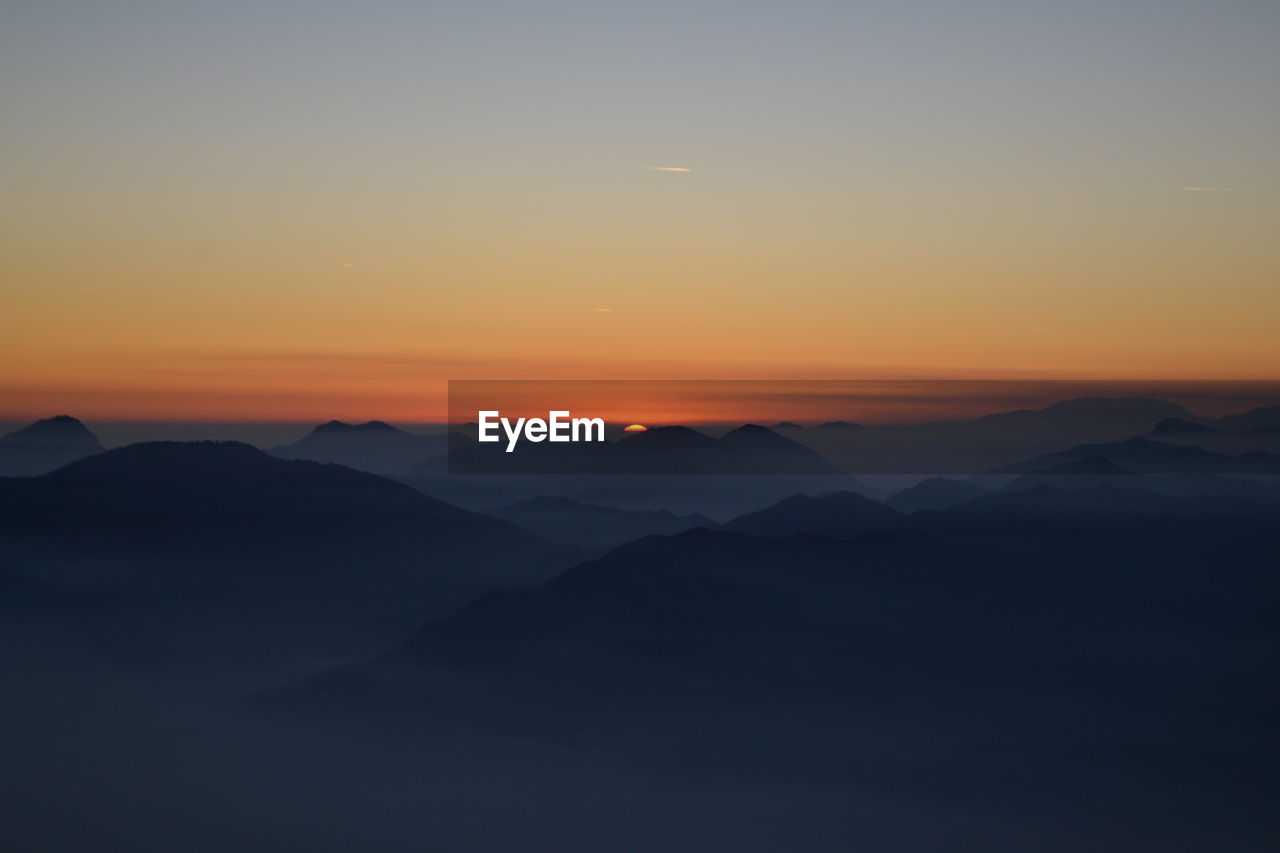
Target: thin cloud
1205,190
668,169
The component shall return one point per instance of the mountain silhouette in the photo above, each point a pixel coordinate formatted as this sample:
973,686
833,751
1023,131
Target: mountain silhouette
564,520
748,449
661,439
1095,465
1098,516
1088,472
1145,456
991,441
1181,426
764,451
1261,416
1112,412
751,656
45,445
227,510
839,515
935,493
1233,435
374,446
1259,462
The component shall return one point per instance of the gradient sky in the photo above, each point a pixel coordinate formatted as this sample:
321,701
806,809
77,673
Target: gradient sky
288,211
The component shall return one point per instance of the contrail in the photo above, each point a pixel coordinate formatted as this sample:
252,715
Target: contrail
668,169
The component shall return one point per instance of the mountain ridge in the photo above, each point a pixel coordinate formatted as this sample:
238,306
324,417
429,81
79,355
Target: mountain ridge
45,445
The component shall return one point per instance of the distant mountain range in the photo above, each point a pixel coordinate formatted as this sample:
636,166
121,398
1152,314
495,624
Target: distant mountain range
1255,430
1136,523
1260,417
230,508
374,446
565,520
748,449
1094,466
1046,504
967,447
935,493
992,442
840,515
45,445
1145,456
1182,426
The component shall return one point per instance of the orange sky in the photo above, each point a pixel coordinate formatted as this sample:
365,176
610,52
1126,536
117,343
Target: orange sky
227,219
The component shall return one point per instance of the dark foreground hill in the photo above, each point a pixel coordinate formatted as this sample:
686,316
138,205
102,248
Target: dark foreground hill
905,662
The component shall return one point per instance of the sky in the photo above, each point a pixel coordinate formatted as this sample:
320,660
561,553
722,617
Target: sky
292,211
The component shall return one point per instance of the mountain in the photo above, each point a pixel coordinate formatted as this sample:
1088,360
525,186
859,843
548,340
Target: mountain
1095,465
1234,435
900,659
374,446
840,425
1261,416
564,520
839,515
991,441
45,445
1087,472
935,493
748,449
186,555
713,495
1101,516
1116,414
1145,456
1182,426
161,512
1090,472
763,451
